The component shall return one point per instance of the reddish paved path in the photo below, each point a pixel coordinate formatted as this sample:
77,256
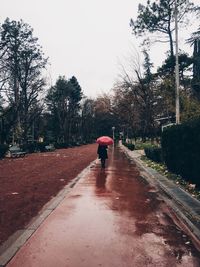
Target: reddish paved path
27,184
111,218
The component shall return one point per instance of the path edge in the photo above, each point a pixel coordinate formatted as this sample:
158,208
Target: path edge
186,216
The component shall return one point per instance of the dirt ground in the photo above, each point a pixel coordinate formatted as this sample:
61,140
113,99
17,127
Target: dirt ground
26,184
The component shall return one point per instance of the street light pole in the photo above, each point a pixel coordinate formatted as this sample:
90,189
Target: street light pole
113,129
177,67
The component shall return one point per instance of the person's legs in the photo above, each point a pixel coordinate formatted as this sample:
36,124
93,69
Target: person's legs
103,161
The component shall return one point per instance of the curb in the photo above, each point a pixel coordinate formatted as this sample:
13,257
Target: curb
19,238
185,207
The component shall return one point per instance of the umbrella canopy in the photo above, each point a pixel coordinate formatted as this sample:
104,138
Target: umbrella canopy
105,141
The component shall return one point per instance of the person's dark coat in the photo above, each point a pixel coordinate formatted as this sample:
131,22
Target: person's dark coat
102,151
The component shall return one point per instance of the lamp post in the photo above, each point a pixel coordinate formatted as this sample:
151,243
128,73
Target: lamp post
177,67
113,130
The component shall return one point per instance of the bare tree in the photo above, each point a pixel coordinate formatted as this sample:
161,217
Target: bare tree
136,86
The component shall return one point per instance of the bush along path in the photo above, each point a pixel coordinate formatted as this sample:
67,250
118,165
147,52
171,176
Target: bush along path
180,148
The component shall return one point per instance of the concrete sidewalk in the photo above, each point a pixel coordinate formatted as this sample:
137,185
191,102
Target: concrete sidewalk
184,205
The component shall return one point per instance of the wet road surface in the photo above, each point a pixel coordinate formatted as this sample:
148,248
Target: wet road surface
111,218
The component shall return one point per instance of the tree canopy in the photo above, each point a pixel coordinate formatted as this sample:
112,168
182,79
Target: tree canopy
159,17
21,75
63,102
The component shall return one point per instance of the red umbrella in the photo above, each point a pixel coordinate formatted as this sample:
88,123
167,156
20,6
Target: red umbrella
105,141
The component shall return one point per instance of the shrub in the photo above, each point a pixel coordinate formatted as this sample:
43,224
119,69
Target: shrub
180,145
129,146
74,143
41,146
30,148
61,145
154,153
3,150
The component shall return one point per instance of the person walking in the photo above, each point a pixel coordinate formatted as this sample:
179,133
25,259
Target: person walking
103,155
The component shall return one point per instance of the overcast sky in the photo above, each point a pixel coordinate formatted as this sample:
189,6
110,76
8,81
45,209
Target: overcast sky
84,38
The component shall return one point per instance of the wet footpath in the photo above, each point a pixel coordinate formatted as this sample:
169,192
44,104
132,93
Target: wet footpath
111,218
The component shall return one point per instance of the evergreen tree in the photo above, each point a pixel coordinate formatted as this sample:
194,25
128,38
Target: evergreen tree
196,68
63,102
159,17
22,62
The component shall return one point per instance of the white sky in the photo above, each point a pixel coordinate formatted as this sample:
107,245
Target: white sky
84,38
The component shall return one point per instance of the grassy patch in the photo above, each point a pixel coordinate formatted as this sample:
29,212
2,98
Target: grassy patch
140,145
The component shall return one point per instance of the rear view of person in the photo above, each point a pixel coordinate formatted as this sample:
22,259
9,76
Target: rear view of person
103,155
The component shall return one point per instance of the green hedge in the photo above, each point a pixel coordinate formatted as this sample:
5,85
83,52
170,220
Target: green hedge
154,153
3,150
34,147
41,146
181,150
129,146
61,145
29,148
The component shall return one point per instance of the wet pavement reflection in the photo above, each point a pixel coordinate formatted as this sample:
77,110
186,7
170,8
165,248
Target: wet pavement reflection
112,218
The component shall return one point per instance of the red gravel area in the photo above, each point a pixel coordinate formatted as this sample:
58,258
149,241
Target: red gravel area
26,184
